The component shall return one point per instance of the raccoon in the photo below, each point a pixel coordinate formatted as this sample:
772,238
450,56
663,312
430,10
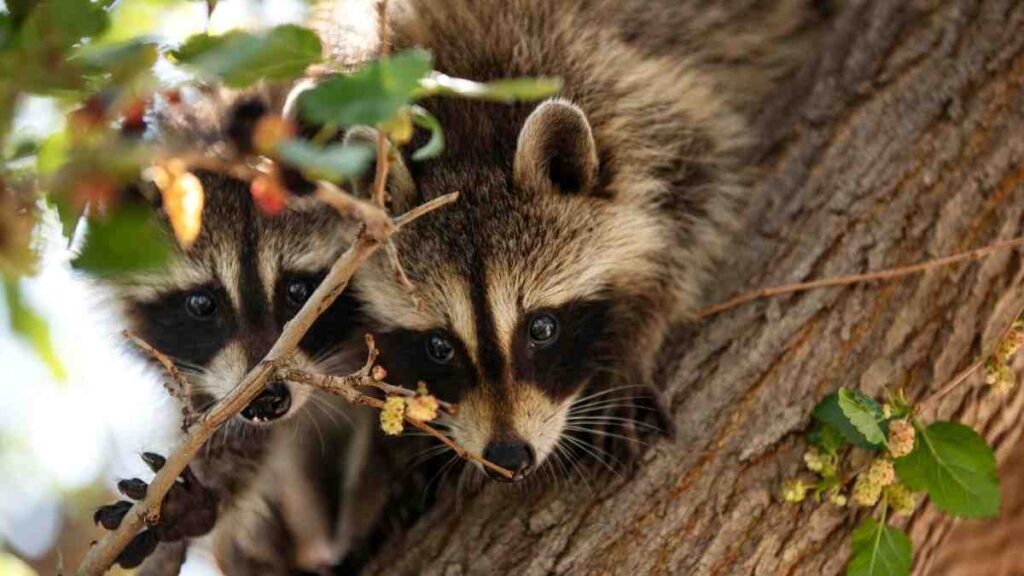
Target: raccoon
215,310
587,224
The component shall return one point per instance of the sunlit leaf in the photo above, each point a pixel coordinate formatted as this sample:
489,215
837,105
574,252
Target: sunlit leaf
334,163
122,61
243,58
129,240
864,413
424,119
135,18
828,412
53,153
956,467
183,201
509,90
368,96
31,327
879,550
63,23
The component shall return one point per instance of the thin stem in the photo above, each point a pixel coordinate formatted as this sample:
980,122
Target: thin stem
889,274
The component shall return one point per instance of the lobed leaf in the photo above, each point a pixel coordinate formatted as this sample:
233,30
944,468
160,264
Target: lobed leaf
129,240
241,58
863,413
368,96
829,412
956,467
507,90
879,550
435,146
334,163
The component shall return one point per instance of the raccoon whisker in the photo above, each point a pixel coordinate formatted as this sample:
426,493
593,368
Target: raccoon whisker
573,460
595,452
326,353
608,406
582,400
437,475
613,419
426,454
606,434
330,410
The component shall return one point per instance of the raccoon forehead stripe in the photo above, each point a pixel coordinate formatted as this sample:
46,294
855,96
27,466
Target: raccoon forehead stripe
489,355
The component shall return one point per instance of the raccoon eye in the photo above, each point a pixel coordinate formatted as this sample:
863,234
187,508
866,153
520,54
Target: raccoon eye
543,329
299,291
440,349
200,304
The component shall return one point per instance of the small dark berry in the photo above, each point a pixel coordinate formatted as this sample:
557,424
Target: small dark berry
295,182
242,119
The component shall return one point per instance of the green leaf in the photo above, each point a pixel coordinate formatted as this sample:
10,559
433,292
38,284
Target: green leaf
956,467
53,153
122,61
63,23
31,327
242,58
828,412
424,119
334,163
368,96
879,550
508,90
827,439
864,413
129,240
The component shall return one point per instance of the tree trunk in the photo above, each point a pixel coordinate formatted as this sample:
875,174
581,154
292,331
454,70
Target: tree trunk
904,142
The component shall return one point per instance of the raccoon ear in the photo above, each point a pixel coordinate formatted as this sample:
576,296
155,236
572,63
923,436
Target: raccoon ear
556,147
399,179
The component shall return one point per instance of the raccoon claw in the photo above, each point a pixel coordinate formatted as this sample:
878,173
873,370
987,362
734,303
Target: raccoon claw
111,515
189,510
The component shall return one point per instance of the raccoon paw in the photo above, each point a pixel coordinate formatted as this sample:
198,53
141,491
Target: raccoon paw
189,510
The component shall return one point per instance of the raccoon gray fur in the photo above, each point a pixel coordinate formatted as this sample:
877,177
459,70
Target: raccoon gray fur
587,225
216,309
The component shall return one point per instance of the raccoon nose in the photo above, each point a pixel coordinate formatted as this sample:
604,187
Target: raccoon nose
271,404
515,456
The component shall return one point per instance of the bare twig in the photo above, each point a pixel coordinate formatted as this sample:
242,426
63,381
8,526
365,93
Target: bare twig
348,388
889,274
929,402
382,27
380,178
102,555
183,392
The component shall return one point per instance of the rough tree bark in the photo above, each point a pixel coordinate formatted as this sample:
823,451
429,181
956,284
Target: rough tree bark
904,142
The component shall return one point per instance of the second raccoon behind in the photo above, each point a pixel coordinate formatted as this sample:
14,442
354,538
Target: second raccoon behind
267,488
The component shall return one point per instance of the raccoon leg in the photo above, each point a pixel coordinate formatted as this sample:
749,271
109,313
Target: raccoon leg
189,510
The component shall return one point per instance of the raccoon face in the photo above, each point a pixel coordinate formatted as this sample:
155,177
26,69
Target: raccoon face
218,307
535,286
